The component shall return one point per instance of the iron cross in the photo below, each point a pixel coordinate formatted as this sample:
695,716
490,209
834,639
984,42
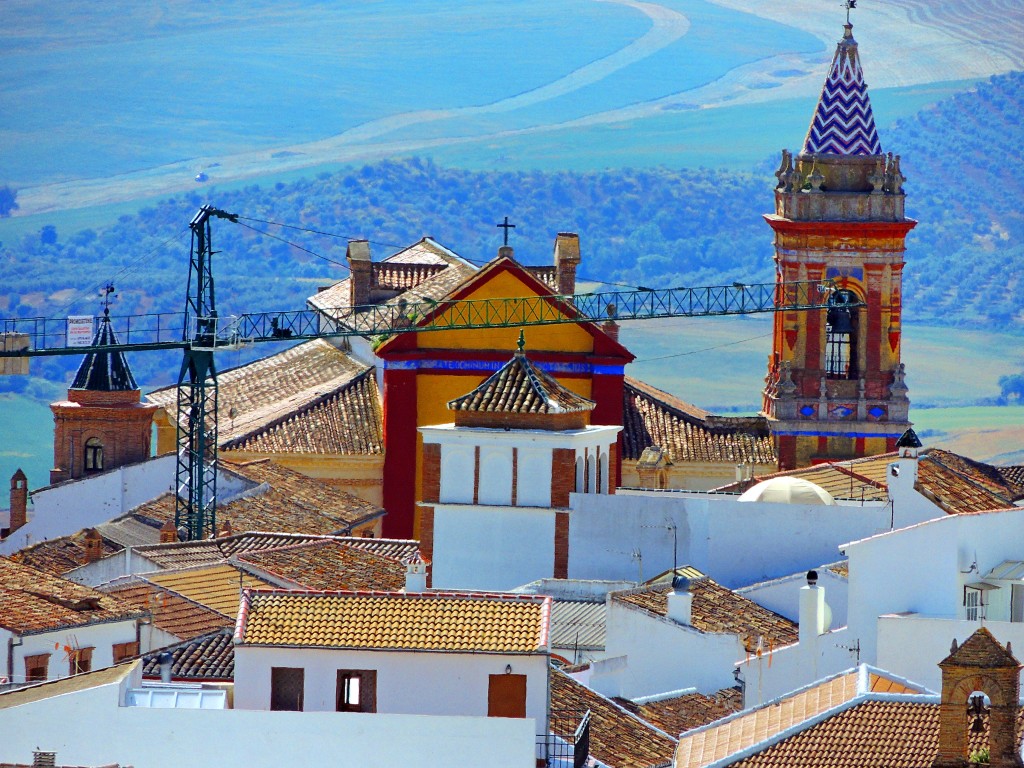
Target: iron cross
848,5
506,226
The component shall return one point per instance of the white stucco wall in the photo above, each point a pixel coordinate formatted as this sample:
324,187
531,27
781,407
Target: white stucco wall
100,637
782,595
661,655
912,646
89,728
781,670
736,543
491,548
124,563
408,683
63,509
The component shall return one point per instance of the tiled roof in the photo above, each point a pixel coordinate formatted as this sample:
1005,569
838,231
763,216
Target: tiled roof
106,676
863,478
718,609
687,433
60,555
288,396
843,123
348,420
131,530
34,601
1014,476
871,734
617,737
425,270
105,371
678,714
170,611
202,659
521,387
745,729
981,649
217,587
328,564
282,500
431,621
578,624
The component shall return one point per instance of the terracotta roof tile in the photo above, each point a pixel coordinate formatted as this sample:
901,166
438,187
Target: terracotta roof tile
35,601
432,621
291,395
170,612
687,433
519,386
864,478
201,659
329,564
718,609
678,714
617,737
217,587
59,555
745,729
287,501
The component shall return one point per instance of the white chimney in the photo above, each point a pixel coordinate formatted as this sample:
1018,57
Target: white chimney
812,608
166,662
680,601
416,575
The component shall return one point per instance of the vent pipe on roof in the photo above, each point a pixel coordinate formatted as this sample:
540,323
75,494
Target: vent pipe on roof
415,576
680,601
166,662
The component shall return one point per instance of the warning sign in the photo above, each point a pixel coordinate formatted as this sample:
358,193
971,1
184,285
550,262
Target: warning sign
79,330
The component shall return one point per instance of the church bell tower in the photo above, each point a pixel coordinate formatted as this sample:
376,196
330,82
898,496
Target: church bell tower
835,387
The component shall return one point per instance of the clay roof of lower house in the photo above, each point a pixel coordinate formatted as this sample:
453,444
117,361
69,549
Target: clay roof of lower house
59,555
329,564
169,611
577,624
280,499
208,658
745,730
218,587
617,736
33,601
678,714
956,484
717,609
83,682
685,432
311,395
182,554
428,621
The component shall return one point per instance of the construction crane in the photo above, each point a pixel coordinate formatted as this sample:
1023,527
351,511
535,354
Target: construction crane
199,332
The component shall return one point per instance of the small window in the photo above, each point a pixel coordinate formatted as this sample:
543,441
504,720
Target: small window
124,651
37,667
357,690
972,603
93,455
1017,603
287,686
79,660
841,336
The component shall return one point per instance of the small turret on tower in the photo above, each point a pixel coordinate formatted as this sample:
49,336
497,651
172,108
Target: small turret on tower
103,424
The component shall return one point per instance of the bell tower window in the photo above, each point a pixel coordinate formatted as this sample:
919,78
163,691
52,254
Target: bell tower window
93,455
841,336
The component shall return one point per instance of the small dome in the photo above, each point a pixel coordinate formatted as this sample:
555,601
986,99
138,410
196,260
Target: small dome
788,490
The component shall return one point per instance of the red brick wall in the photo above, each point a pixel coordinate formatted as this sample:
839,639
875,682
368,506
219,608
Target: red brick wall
431,472
400,454
561,565
563,476
122,425
427,539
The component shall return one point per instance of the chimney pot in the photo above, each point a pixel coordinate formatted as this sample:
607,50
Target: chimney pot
361,272
567,259
19,501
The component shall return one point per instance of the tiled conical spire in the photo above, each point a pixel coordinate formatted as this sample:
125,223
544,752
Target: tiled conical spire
843,123
105,371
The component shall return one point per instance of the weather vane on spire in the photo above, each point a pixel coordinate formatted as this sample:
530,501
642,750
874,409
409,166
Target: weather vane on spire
848,4
105,297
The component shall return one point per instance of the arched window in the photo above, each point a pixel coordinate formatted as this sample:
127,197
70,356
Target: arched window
93,455
841,336
581,475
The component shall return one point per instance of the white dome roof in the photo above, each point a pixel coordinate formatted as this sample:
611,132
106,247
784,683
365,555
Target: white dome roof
788,490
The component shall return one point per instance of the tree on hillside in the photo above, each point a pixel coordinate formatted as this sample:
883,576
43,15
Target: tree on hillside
7,201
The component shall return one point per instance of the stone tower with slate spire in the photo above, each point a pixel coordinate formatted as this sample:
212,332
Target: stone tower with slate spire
103,424
835,386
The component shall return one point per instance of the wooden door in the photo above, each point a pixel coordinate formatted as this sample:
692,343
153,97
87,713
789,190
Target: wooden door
506,696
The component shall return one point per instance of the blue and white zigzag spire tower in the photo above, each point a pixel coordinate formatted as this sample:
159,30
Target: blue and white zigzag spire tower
843,123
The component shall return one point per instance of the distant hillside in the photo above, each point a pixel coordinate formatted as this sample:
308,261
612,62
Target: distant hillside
656,227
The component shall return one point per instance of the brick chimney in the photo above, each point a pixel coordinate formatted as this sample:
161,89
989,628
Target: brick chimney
93,545
19,501
567,259
168,533
41,759
225,529
361,268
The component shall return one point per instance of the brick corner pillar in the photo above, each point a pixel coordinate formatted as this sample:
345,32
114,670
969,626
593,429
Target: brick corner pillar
427,540
431,472
563,476
561,564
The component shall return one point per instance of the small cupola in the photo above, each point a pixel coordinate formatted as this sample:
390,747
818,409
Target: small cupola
908,445
521,396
